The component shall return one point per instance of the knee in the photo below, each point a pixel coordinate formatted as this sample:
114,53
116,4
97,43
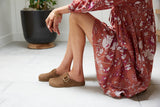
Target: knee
73,17
76,16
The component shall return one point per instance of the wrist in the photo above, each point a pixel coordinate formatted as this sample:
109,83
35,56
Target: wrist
62,10
57,11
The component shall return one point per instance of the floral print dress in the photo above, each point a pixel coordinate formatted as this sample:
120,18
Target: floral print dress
123,52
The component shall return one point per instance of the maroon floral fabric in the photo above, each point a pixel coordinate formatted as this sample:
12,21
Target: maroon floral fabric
123,52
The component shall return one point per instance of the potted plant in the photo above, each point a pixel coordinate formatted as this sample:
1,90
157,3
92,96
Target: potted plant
34,27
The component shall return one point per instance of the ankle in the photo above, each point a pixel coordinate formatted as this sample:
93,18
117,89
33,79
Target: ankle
77,76
77,70
61,70
65,67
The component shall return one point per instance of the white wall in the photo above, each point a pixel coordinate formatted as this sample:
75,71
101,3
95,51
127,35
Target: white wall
17,5
5,22
156,5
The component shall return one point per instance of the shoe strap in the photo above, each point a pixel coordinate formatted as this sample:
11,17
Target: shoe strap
66,78
54,72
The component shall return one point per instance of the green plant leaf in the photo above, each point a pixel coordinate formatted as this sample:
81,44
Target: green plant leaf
54,3
43,4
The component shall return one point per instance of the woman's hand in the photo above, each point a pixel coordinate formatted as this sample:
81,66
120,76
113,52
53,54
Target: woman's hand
53,20
55,17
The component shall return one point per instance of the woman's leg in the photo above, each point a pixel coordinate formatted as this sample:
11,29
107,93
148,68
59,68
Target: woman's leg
81,24
67,60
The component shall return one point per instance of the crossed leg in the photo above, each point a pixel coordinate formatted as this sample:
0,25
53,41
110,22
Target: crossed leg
81,24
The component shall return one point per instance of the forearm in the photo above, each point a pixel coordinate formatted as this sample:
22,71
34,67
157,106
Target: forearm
62,10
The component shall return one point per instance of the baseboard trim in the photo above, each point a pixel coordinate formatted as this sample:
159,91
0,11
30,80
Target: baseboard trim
18,37
4,40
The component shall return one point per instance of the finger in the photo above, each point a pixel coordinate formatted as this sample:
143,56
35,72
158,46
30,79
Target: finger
50,23
56,22
50,30
47,24
47,20
54,25
57,29
53,28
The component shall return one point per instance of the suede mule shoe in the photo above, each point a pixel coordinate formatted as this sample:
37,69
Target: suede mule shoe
64,81
47,76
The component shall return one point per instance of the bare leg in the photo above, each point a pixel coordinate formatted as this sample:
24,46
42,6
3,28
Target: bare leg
80,24
83,24
67,60
77,42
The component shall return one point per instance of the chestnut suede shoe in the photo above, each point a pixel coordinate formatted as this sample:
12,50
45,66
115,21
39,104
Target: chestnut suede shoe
47,76
64,81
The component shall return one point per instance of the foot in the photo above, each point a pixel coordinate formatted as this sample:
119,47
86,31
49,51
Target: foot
47,76
64,81
61,70
54,73
76,76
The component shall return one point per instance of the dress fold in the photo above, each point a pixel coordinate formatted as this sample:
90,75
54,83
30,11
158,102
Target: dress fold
123,52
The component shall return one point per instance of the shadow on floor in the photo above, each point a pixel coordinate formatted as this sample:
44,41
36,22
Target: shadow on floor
98,91
139,97
92,78
152,90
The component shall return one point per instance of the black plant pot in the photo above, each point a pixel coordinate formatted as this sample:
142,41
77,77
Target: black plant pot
35,30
